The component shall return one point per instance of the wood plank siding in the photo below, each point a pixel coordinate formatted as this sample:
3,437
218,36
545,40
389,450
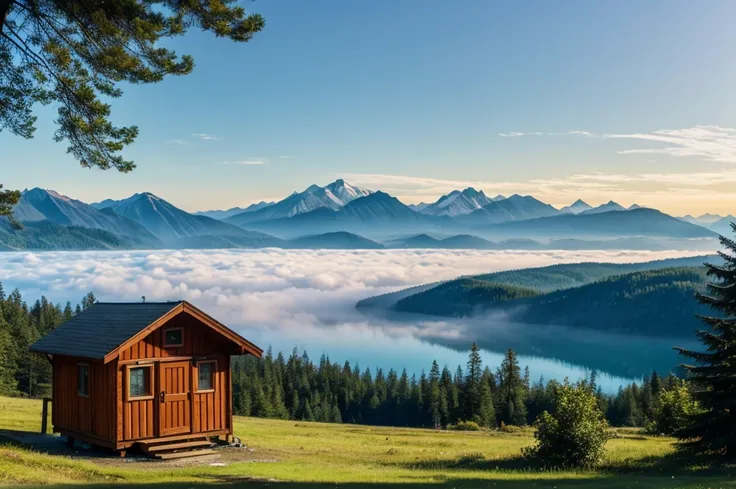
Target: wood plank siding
206,411
93,414
128,372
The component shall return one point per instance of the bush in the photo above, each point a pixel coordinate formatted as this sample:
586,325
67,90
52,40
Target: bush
574,435
464,426
673,410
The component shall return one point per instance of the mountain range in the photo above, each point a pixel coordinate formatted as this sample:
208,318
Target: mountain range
224,214
333,196
343,215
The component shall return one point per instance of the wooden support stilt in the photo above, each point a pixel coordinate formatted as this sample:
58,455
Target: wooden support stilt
45,414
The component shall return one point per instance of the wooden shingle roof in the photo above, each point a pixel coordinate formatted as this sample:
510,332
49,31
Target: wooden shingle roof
100,330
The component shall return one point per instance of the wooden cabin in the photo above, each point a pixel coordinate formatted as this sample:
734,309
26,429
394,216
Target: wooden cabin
142,373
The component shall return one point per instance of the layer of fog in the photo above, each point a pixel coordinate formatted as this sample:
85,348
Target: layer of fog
295,297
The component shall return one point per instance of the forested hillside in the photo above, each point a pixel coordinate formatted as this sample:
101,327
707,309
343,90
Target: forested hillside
651,303
462,297
655,302
565,276
541,279
45,235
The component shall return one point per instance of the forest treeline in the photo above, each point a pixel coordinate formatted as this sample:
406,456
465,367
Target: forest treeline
301,389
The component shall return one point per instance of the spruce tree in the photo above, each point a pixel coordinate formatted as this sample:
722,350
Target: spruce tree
472,391
434,395
511,391
713,373
486,411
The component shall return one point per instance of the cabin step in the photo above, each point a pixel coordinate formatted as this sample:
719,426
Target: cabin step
167,439
185,454
177,446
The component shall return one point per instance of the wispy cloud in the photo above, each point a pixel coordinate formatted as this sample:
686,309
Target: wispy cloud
583,133
207,137
176,141
518,134
712,143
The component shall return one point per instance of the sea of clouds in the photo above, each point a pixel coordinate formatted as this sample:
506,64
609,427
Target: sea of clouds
276,289
299,298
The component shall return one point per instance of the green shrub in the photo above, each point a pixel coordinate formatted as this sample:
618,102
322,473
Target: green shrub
574,435
673,410
512,429
464,426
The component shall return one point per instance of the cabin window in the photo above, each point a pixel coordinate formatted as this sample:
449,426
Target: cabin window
206,376
139,382
173,337
83,379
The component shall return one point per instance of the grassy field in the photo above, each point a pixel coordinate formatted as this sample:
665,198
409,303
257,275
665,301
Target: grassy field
293,455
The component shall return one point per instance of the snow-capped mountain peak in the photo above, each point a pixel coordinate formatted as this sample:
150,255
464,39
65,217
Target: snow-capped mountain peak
457,203
577,207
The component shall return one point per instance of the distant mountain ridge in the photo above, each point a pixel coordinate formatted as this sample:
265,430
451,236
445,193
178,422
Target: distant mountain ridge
514,208
610,206
723,226
637,222
376,214
37,204
332,196
576,207
225,213
457,203
168,222
461,219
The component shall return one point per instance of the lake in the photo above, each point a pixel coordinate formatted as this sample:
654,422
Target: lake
305,299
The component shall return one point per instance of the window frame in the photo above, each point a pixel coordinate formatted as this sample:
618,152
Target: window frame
85,366
177,345
151,394
212,388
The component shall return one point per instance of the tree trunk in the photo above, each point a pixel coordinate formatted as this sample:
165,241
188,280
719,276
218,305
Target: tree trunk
4,10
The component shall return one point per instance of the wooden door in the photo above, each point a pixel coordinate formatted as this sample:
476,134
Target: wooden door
174,401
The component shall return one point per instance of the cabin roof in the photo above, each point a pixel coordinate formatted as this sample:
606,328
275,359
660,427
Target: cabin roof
102,329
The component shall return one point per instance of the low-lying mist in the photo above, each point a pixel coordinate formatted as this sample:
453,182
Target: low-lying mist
302,298
294,290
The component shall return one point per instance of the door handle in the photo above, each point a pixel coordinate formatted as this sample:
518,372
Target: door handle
162,396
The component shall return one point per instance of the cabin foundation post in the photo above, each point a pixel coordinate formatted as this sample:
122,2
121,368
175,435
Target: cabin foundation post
123,453
45,415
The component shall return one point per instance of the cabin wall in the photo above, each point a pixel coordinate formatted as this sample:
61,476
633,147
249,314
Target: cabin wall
93,416
199,340
210,411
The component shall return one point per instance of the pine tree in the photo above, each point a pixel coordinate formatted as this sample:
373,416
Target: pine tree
88,300
434,395
472,391
486,411
77,55
511,391
712,375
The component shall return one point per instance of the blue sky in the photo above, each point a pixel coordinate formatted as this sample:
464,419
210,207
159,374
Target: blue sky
601,100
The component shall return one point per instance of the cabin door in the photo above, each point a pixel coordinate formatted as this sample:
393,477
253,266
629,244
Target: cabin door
174,402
